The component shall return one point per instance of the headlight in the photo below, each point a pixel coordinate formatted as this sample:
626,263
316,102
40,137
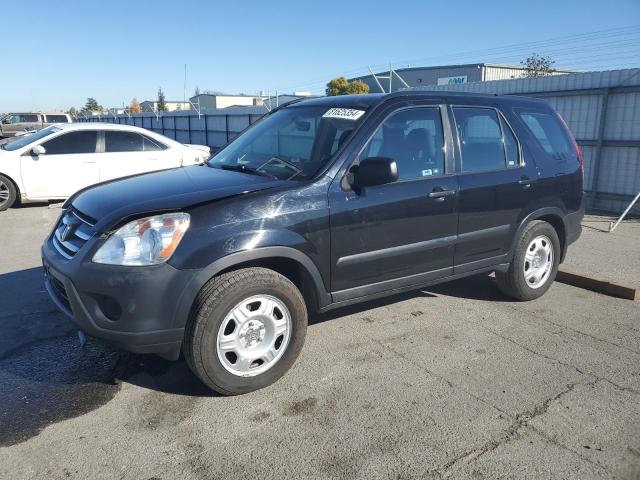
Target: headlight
148,241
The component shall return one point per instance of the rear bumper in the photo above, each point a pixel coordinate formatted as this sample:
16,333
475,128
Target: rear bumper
573,227
132,307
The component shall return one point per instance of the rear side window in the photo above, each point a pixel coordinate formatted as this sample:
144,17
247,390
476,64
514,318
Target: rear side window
150,145
550,133
115,141
72,143
486,141
56,119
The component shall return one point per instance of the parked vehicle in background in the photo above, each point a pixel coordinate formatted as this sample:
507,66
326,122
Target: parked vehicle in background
12,123
322,203
57,161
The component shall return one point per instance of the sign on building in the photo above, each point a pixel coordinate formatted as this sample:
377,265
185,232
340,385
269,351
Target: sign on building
452,80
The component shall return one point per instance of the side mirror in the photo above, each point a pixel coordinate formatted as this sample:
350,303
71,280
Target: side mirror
373,171
38,150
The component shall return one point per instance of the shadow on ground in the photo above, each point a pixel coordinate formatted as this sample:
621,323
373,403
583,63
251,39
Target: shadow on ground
46,376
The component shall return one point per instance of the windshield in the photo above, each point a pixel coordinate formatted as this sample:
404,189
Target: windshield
27,139
293,143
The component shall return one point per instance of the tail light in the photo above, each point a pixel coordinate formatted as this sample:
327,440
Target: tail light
580,157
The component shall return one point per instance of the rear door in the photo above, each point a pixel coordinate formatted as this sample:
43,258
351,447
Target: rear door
68,165
496,186
402,233
128,153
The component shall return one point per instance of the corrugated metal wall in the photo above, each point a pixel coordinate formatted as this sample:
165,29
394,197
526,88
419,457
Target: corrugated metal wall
494,72
603,111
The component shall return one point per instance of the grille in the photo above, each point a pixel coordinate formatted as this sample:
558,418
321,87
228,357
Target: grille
59,291
72,232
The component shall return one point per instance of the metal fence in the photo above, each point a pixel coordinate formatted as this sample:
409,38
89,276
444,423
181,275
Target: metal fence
212,128
601,108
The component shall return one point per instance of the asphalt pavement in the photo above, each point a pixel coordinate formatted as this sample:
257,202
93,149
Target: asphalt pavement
456,381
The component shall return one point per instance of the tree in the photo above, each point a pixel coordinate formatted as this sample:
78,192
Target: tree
92,105
162,104
341,86
134,106
538,65
72,111
357,87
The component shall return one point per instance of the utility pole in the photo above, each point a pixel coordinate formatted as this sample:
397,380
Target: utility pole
184,90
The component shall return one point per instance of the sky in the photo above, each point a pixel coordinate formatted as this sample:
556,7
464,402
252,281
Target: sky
56,54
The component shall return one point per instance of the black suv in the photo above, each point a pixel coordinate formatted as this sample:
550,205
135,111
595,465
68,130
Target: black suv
322,203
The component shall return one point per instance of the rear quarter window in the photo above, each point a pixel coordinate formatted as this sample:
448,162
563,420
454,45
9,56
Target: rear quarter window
548,130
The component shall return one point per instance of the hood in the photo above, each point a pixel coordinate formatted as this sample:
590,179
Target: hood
166,190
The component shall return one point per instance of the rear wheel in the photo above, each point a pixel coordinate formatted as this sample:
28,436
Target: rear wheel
246,329
535,263
8,193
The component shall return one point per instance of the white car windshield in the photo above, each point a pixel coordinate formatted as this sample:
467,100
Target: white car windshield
290,144
25,140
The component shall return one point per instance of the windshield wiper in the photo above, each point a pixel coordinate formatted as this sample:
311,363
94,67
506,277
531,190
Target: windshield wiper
292,166
243,169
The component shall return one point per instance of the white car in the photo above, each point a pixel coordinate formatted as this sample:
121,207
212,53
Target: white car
57,161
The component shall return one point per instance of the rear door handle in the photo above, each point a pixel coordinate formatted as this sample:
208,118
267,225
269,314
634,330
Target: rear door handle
525,182
439,193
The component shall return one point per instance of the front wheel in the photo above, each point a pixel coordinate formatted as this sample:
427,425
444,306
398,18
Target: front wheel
535,263
8,193
246,330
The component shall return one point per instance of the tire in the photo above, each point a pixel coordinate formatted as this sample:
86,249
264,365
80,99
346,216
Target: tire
275,302
8,193
529,277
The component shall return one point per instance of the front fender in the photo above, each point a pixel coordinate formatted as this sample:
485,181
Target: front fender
205,274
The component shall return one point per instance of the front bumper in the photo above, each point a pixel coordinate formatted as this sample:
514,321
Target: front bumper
135,308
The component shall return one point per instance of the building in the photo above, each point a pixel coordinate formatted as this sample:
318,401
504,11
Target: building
213,101
172,106
443,75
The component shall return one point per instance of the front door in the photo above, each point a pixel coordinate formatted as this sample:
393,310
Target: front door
402,233
68,165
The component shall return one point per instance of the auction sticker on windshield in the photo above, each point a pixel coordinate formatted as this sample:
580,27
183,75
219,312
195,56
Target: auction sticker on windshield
344,113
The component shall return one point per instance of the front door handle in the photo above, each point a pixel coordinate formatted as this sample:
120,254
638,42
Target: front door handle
440,193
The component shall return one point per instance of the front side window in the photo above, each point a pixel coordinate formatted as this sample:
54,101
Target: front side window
72,143
482,145
414,139
293,143
25,118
